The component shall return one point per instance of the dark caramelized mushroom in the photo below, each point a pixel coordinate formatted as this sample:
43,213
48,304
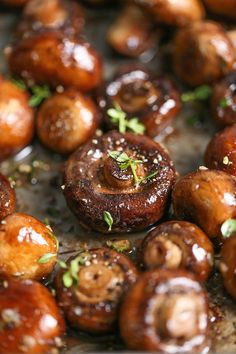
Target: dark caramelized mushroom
29,317
228,265
54,59
67,120
221,151
91,304
178,244
223,101
165,311
174,13
203,53
63,15
24,240
225,8
127,36
16,119
207,198
154,100
7,197
128,176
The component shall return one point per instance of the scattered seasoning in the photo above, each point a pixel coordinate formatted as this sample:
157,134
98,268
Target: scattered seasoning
226,161
224,102
119,245
108,219
119,117
10,318
201,93
228,227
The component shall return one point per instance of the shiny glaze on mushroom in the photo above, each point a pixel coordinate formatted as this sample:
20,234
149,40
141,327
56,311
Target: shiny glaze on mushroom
228,265
165,311
221,151
29,317
16,119
225,8
66,16
178,244
223,101
127,37
202,53
154,100
54,59
7,197
174,13
67,120
207,198
92,304
23,241
136,196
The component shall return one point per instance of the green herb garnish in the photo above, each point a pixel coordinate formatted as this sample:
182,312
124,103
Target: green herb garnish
228,227
46,258
200,93
108,219
39,94
224,102
119,245
120,117
70,277
19,83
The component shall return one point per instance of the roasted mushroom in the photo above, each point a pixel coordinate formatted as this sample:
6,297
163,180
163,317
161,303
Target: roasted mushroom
7,197
90,300
202,53
54,59
223,101
119,182
165,311
67,120
29,317
154,100
207,198
178,244
221,151
228,265
66,16
225,8
16,119
24,244
127,37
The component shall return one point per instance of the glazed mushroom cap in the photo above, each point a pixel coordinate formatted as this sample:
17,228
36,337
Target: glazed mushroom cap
202,53
228,265
207,198
174,13
154,100
222,7
165,311
24,240
221,151
7,197
16,119
223,100
64,15
67,120
95,183
30,319
103,278
178,244
127,37
55,59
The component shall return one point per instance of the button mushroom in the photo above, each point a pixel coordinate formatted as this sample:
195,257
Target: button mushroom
225,8
228,264
7,197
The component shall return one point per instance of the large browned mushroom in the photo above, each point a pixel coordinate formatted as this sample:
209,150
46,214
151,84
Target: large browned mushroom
165,311
55,59
221,151
178,244
124,177
223,101
67,120
228,265
29,318
16,119
225,8
207,198
24,242
7,197
101,277
203,53
154,100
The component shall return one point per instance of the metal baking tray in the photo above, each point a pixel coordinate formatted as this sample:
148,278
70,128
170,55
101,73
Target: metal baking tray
39,193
